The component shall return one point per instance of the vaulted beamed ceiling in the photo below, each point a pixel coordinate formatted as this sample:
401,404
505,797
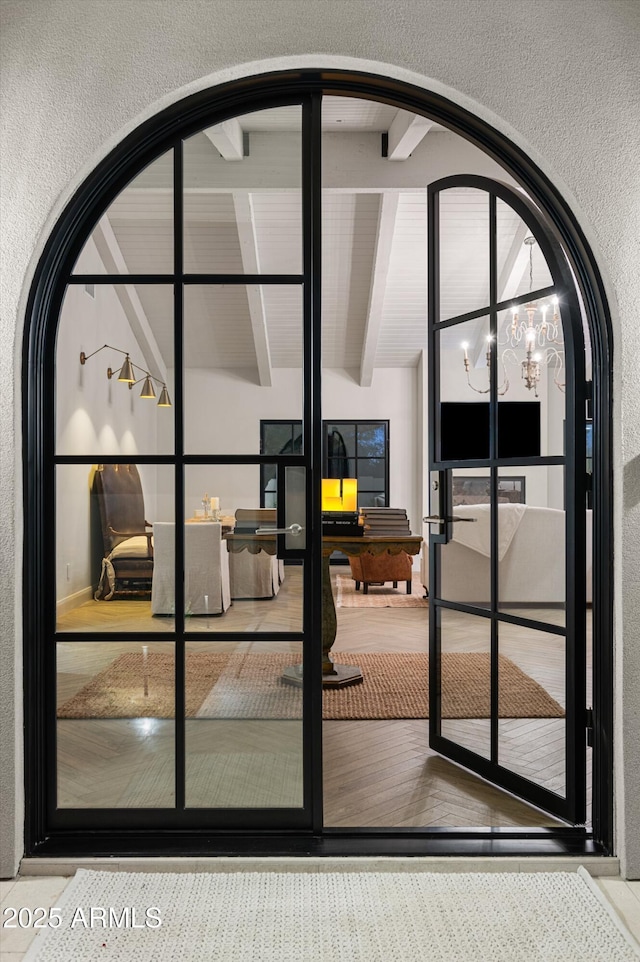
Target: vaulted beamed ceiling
242,214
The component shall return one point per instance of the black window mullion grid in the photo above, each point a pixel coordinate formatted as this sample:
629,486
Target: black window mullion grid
433,445
178,348
44,489
187,279
312,446
494,441
498,306
575,546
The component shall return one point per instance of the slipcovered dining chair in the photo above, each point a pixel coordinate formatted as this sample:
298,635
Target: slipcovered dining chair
127,563
206,570
254,574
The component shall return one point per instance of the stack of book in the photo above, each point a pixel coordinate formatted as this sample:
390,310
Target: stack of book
341,524
385,522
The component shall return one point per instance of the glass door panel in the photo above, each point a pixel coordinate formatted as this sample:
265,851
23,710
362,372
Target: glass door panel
464,251
532,724
106,518
243,195
464,368
464,562
532,412
243,350
115,728
135,233
236,578
114,371
519,269
532,557
465,680
244,745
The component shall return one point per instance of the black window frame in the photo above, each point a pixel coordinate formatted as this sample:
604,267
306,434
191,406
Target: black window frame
265,423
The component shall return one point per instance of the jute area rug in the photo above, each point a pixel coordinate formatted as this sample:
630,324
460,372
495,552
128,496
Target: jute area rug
380,596
249,685
335,917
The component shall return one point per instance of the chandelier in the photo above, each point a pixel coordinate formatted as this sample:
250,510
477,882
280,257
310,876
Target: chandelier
540,338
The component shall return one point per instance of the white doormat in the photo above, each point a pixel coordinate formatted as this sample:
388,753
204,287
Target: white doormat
334,917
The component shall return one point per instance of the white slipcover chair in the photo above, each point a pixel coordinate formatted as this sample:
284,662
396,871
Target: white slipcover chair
255,575
206,561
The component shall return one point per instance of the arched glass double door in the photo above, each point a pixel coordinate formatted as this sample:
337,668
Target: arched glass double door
181,621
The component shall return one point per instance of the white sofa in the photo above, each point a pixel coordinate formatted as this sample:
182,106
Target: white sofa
532,570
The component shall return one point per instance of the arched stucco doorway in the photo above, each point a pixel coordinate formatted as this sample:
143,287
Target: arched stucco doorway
215,108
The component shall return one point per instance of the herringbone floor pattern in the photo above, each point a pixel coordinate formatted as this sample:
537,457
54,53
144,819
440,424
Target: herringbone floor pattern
376,773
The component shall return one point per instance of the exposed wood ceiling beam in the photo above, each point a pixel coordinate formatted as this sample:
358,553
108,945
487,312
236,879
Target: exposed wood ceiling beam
514,265
351,162
379,271
227,139
114,262
405,133
251,265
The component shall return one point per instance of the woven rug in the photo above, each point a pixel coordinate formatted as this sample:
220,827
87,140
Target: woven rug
335,916
396,685
380,596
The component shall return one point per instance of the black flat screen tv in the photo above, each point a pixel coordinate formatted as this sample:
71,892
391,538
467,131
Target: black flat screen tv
464,430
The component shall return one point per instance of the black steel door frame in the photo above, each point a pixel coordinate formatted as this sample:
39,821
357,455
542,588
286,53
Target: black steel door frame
572,806
110,176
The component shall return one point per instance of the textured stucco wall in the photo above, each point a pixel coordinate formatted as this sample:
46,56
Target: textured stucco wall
561,78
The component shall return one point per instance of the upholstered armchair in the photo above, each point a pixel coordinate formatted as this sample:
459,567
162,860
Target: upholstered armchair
258,573
369,569
127,564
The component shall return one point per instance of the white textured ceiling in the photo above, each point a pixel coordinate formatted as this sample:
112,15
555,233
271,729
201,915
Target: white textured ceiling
244,216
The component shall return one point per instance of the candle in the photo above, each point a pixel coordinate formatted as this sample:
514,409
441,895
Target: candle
464,348
215,504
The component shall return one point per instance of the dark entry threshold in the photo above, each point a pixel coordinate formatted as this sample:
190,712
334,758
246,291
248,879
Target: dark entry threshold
440,842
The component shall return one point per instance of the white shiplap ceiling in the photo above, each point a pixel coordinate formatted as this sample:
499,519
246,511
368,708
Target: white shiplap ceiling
244,216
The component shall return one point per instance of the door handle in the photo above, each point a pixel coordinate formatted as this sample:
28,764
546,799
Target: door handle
293,529
434,519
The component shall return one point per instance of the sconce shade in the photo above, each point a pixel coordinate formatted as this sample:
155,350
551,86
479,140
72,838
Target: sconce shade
339,494
147,388
164,400
126,372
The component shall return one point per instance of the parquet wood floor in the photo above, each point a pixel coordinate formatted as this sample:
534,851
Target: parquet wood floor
376,773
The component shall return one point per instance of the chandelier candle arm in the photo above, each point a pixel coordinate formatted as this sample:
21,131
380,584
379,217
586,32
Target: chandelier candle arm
503,388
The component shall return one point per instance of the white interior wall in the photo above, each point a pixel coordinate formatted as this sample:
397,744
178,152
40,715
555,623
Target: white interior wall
230,406
94,414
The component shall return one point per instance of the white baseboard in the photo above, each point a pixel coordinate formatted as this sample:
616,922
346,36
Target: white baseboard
65,605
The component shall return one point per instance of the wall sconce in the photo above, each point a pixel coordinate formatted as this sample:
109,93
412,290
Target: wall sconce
339,494
127,376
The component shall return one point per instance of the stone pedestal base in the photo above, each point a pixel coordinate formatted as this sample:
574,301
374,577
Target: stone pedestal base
340,677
